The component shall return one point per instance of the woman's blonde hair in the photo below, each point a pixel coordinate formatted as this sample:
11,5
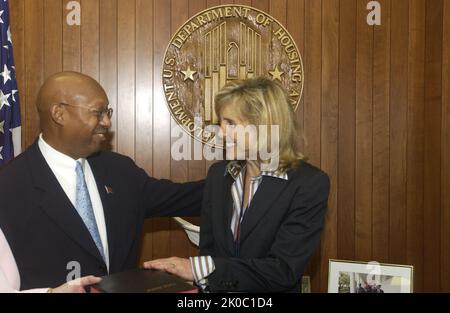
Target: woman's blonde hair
262,101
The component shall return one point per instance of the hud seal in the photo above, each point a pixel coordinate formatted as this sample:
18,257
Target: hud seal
222,44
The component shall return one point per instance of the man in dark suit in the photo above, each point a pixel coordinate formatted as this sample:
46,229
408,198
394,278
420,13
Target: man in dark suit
66,205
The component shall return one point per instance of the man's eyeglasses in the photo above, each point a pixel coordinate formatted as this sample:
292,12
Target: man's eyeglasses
100,114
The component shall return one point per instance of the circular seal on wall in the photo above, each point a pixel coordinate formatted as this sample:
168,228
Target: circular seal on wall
222,44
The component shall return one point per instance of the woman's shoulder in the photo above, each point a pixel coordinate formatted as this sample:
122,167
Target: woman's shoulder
306,172
218,166
217,169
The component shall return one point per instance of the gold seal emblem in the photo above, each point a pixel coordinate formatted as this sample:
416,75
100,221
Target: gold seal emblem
218,45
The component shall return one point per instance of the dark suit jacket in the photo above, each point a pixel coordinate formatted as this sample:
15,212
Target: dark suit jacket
279,232
45,231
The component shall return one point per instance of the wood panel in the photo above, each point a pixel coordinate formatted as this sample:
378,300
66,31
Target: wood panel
108,58
432,145
161,121
126,75
415,141
144,105
312,104
398,133
329,127
445,187
381,131
347,131
179,169
364,136
90,38
71,43
53,54
374,114
296,27
34,66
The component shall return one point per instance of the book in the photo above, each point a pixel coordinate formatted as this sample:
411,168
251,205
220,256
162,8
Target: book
143,281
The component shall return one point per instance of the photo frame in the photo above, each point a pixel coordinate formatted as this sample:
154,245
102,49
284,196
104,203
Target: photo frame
369,277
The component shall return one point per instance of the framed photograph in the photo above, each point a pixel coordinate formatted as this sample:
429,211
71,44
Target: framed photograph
371,277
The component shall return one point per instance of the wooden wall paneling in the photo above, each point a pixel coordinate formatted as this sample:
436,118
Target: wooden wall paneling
262,5
398,133
432,149
445,187
347,131
34,68
278,9
108,58
212,3
244,2
196,168
90,38
329,128
312,103
161,121
415,142
312,90
209,4
364,123
179,244
295,24
381,129
180,14
144,105
17,22
53,19
71,43
126,75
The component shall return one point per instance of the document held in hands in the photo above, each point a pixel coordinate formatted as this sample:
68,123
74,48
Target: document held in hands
143,281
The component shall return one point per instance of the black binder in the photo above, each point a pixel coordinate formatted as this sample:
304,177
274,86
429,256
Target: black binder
143,281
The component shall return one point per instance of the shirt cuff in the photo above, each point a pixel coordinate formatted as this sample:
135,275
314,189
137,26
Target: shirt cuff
202,267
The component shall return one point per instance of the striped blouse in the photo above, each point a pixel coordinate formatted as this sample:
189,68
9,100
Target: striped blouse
203,266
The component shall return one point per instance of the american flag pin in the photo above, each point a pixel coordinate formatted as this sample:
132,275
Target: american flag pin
109,190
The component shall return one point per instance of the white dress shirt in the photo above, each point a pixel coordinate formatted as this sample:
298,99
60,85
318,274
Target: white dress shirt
63,167
9,274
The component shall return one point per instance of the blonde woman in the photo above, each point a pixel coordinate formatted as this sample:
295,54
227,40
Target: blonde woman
259,224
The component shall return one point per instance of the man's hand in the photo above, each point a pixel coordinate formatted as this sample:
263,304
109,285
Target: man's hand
177,266
77,285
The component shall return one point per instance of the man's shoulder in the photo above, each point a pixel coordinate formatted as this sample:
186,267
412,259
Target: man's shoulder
111,157
14,167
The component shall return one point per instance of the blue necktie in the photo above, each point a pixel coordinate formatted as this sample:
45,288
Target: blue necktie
83,205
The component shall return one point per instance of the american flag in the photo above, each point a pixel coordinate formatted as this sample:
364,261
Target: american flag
10,132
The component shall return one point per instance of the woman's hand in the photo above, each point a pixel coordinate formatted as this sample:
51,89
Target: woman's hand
177,266
77,285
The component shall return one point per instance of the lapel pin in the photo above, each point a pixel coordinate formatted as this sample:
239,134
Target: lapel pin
109,190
